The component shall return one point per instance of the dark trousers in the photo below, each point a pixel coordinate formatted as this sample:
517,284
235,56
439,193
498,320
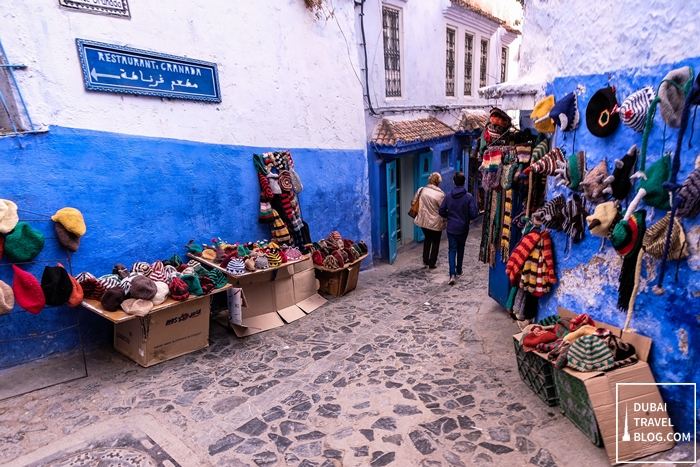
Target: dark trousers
431,244
455,254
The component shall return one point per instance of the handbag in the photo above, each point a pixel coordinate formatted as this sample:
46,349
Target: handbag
413,212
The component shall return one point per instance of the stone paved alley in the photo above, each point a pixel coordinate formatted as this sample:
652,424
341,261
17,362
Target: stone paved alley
405,370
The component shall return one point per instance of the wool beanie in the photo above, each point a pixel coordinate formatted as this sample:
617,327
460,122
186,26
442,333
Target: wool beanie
261,262
672,92
8,216
113,298
56,285
7,298
193,247
193,284
621,183
539,151
655,239
293,254
580,320
626,238
317,257
274,259
688,196
162,293
538,335
574,218
181,267
551,214
66,239
110,280
602,117
590,353
92,288
206,284
136,306
200,271
547,164
363,246
76,296
339,258
543,108
564,113
335,238
217,278
142,287
71,219
633,111
209,254
596,182
550,320
500,118
576,170
330,262
193,263
170,273
627,235
178,290
249,264
158,272
28,292
602,219
358,250
285,180
142,268
656,175
236,267
120,270
175,260
352,256
624,353
24,243
186,269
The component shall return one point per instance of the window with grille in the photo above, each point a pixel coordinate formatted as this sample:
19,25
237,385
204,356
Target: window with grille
450,63
468,54
504,64
484,62
445,159
392,52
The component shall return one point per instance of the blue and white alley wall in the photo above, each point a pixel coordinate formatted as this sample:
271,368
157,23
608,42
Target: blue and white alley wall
149,174
629,45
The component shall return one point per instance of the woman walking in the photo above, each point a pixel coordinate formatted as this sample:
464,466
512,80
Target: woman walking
428,219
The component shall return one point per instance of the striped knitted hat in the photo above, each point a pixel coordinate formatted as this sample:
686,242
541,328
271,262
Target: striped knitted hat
236,266
551,214
330,262
92,288
541,109
339,258
206,284
539,151
170,273
158,272
548,163
655,239
178,290
574,218
217,278
590,353
627,235
624,353
142,268
110,280
633,111
688,197
273,259
621,183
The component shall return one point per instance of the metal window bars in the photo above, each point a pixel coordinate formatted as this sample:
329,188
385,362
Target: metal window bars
504,61
15,122
484,63
450,63
468,56
392,52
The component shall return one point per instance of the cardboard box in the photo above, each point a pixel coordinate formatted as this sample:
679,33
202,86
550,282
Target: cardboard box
338,282
602,390
305,285
165,334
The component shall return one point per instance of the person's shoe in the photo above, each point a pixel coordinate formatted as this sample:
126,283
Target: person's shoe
452,280
459,274
432,267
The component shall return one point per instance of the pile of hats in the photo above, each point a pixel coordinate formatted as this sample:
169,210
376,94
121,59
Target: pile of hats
578,344
531,264
57,288
138,289
334,252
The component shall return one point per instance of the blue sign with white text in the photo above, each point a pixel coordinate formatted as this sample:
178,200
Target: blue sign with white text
114,68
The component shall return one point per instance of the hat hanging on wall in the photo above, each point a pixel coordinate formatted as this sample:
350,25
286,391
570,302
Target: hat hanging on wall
633,110
571,172
71,219
28,292
602,117
672,92
24,243
564,113
596,183
8,216
542,109
7,298
621,184
76,296
56,285
602,219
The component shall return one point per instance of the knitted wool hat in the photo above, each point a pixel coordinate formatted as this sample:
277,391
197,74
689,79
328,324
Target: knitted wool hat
186,269
200,271
250,264
547,164
580,320
621,183
539,151
142,268
542,109
602,219
523,155
158,272
624,353
627,235
193,284
658,173
136,306
24,243
206,284
181,267
125,283
293,254
120,270
363,247
71,219
672,92
655,239
538,335
113,298
143,288
193,247
330,262
28,292
7,298
56,285
551,214
574,170
170,273
499,118
352,256
633,111
236,267
564,113
193,263
76,296
596,182
261,262
339,258
8,216
317,257
110,280
227,259
175,260
574,218
285,180
344,255
162,293
178,290
209,254
688,196
92,288
217,278
602,118
590,353
66,239
347,243
335,238
274,259
358,250
550,320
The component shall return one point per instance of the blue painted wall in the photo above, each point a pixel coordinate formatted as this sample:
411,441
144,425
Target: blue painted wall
143,199
588,279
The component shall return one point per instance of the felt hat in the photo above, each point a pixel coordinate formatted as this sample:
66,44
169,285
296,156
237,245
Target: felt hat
627,235
596,183
170,273
209,254
66,239
330,262
193,284
7,298
162,293
24,243
633,110
71,219
688,196
136,306
672,93
564,113
218,278
656,175
261,262
541,109
28,292
142,287
142,268
206,284
590,353
175,260
574,218
624,353
92,288
602,219
120,270
8,216
76,296
655,239
158,272
178,290
236,266
56,285
113,298
621,183
602,117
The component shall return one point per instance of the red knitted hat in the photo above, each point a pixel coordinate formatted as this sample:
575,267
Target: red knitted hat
179,290
347,243
538,335
28,292
317,257
207,284
2,245
579,321
338,257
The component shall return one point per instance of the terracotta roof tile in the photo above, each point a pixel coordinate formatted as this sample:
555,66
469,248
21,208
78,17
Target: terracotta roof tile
390,133
471,120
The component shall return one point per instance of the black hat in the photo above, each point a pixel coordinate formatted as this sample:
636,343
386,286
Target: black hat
602,118
56,285
113,298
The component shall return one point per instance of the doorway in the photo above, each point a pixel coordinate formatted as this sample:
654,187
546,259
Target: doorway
405,191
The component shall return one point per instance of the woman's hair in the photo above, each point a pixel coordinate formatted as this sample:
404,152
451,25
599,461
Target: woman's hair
435,179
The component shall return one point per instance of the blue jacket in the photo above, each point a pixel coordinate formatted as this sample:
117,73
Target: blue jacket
459,207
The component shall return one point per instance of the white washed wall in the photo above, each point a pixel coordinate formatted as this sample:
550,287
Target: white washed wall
287,79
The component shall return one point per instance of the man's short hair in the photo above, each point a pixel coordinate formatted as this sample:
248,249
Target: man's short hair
459,179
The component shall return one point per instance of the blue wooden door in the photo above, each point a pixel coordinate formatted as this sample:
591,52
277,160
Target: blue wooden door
391,209
422,171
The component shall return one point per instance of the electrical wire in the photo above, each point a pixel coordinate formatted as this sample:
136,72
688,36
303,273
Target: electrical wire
364,48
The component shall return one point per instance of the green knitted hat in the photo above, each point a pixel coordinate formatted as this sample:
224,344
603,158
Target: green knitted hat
24,243
549,320
193,284
218,278
576,169
627,235
175,260
590,353
200,271
539,151
658,173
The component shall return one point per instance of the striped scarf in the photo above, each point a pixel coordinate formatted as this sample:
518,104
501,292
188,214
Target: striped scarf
505,231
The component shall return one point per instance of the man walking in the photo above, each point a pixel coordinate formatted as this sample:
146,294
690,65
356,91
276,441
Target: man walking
459,208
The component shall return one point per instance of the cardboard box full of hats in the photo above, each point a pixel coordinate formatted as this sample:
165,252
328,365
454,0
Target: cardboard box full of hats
612,393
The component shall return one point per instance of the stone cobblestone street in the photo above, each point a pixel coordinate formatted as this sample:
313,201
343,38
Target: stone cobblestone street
406,370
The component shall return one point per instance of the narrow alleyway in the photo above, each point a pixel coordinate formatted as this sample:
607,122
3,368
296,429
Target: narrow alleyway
404,371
